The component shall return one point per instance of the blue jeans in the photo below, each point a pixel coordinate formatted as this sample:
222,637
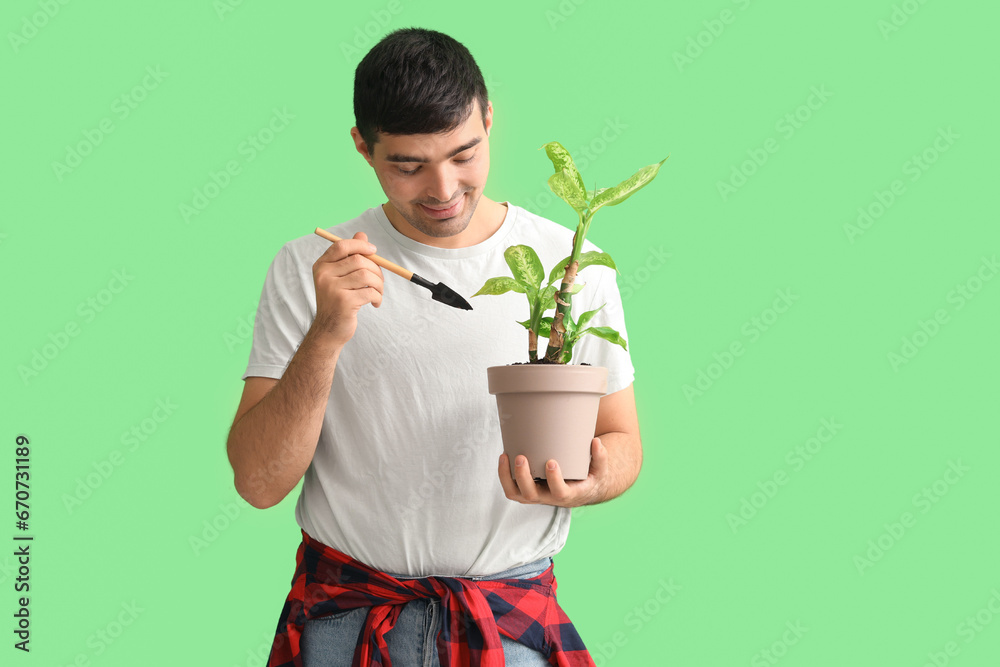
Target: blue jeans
329,641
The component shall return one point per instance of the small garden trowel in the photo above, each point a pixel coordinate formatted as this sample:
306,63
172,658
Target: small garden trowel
439,292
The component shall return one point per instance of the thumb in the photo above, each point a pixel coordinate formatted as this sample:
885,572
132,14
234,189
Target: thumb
361,235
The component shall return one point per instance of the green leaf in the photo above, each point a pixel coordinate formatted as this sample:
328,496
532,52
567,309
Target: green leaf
587,316
500,285
563,185
608,334
548,297
544,327
569,338
563,161
525,265
627,188
586,259
571,327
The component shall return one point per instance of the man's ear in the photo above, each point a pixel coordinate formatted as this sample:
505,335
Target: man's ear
361,146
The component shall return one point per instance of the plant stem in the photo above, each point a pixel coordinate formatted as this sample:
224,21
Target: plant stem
532,345
564,300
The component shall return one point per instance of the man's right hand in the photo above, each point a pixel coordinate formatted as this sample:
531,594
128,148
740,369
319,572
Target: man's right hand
345,280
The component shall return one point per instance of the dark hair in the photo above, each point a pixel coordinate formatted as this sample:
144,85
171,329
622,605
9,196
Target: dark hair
416,81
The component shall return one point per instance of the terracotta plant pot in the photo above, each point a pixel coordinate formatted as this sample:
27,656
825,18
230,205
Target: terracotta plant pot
548,411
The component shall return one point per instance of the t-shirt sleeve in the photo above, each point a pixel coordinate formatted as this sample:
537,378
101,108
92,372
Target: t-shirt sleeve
597,351
283,317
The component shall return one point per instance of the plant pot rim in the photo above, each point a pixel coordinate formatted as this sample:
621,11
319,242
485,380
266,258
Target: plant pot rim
534,378
521,364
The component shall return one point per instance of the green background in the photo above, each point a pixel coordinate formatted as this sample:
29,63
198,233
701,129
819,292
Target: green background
663,575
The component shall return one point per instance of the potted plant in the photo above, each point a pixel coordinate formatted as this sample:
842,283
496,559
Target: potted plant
548,407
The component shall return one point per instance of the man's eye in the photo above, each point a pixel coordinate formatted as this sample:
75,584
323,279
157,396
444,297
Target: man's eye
413,171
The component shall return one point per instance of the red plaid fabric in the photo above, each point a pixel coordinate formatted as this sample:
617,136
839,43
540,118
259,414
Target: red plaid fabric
473,613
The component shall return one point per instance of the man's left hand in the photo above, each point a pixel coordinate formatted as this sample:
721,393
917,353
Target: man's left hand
555,490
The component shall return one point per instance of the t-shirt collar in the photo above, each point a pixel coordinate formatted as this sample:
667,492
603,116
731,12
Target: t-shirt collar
448,253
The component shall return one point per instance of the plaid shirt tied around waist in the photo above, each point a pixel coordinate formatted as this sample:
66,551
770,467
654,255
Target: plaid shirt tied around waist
473,613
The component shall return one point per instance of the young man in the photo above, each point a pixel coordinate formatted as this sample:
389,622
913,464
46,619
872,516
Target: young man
377,397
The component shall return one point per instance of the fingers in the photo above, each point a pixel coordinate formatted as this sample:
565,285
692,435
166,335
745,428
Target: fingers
345,263
522,489
346,279
558,488
346,285
506,481
525,483
361,279
555,490
338,250
598,458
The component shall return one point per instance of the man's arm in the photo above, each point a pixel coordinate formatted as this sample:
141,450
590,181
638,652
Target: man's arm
618,431
616,457
274,435
272,442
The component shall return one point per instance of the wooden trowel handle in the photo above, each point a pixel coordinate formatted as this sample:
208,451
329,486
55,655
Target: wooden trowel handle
381,261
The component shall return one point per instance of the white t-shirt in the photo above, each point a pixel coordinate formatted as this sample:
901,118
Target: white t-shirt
404,477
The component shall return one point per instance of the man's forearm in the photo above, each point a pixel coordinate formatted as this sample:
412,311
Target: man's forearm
624,462
271,446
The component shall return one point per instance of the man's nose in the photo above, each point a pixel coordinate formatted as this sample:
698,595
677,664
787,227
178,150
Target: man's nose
443,185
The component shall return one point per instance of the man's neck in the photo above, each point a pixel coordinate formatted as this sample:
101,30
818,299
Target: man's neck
485,222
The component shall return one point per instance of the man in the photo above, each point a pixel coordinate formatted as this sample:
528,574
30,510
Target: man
376,396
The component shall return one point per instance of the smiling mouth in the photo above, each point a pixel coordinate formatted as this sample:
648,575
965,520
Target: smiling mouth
445,212
440,208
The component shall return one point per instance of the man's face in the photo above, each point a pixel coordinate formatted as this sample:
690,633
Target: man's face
446,172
